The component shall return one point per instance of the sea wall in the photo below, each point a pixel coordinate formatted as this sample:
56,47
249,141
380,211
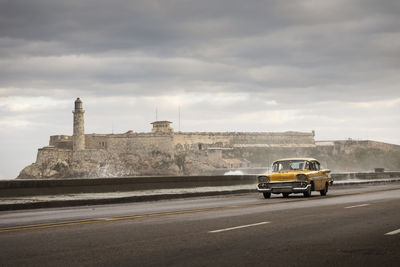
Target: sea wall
14,188
99,185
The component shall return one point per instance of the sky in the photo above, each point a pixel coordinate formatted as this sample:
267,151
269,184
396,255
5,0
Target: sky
302,65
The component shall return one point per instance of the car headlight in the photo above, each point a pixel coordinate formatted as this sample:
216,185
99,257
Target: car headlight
301,177
263,179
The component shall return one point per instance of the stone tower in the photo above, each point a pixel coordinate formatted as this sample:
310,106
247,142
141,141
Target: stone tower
78,142
162,127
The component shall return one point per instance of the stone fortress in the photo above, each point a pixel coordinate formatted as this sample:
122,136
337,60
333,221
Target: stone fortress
165,152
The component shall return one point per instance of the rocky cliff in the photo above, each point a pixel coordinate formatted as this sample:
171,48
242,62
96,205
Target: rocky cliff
57,163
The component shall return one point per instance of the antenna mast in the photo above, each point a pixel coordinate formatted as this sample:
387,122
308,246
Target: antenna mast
156,114
179,112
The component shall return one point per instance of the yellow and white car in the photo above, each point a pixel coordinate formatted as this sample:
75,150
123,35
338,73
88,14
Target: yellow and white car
295,175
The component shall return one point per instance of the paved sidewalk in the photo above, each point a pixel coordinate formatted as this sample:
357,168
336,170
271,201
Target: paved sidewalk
64,200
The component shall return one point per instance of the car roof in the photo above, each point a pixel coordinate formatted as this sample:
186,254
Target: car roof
287,159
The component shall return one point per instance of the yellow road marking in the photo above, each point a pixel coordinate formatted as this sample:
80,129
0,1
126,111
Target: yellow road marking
104,219
166,213
47,225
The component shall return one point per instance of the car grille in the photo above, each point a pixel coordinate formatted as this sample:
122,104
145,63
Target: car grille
282,185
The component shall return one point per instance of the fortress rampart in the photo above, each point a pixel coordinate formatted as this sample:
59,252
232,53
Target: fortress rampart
202,140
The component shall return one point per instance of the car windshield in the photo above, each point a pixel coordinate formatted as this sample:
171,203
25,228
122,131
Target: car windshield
286,165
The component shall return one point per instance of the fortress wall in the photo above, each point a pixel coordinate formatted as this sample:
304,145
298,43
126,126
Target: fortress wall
190,141
186,141
64,145
57,138
274,138
96,141
61,141
135,144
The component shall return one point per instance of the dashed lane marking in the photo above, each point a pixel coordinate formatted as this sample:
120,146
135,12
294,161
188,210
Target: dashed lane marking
357,206
237,227
395,232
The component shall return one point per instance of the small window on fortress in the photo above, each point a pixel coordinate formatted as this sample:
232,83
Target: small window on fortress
200,146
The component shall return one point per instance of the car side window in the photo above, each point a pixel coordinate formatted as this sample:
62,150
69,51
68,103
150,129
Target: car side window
317,166
280,166
307,166
312,166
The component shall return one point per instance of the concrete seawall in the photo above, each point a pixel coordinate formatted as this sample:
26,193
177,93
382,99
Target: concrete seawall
11,188
364,175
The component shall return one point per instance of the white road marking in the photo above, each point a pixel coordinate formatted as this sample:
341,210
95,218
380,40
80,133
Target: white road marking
238,227
395,232
357,206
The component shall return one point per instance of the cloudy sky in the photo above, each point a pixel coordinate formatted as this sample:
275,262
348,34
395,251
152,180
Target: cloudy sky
328,66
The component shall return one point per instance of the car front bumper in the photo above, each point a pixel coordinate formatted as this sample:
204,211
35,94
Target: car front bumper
283,187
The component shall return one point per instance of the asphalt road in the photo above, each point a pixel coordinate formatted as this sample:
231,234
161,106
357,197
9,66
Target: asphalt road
350,227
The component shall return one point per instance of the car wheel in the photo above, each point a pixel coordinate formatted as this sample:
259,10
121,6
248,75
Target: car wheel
267,195
308,192
285,195
324,191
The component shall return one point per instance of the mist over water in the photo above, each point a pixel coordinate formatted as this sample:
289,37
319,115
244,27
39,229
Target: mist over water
234,173
255,171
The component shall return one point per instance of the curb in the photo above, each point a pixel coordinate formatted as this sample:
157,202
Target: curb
118,200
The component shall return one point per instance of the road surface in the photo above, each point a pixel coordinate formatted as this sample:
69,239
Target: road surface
349,227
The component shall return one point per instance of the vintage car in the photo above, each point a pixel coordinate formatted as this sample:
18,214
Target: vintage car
295,175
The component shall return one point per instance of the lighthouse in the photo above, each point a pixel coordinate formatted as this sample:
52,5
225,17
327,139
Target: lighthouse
78,142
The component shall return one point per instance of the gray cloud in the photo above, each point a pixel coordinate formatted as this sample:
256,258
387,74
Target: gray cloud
331,66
